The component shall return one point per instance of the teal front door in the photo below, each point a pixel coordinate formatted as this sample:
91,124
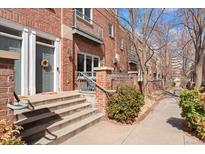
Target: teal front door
44,71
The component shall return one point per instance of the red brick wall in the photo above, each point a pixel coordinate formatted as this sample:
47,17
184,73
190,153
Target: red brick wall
67,54
6,87
67,68
110,46
87,46
41,19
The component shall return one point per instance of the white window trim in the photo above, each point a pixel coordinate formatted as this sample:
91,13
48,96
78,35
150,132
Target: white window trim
91,55
83,16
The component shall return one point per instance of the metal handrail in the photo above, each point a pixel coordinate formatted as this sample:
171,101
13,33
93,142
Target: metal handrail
101,87
19,105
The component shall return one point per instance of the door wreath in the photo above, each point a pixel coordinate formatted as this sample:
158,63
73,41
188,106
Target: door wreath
44,63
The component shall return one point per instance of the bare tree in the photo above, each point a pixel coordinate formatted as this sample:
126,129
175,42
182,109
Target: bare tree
193,21
143,23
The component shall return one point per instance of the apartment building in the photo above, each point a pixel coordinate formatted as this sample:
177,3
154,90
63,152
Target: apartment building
54,44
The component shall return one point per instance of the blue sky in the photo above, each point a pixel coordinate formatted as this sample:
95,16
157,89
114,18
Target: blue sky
168,15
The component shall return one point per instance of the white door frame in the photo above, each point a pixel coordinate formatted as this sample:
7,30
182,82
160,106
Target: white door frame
32,74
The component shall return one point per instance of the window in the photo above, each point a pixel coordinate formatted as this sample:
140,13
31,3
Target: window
86,63
122,44
10,31
79,12
85,13
80,63
11,40
100,32
44,40
111,30
96,62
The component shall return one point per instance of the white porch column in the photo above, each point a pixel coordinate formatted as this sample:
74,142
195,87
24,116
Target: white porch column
24,63
32,63
56,70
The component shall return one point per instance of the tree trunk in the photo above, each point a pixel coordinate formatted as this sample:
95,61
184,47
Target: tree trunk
145,80
198,75
199,71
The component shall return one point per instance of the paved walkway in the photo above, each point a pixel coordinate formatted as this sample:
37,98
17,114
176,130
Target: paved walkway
161,126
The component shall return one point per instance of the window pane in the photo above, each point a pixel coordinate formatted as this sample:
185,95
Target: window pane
88,63
96,62
10,31
87,14
43,40
9,44
110,29
79,12
80,63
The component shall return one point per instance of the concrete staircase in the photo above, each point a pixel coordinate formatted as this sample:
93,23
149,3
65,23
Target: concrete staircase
55,118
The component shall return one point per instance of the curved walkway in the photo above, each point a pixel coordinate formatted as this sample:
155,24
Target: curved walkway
163,125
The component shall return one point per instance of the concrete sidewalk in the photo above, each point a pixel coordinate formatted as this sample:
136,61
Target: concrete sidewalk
162,126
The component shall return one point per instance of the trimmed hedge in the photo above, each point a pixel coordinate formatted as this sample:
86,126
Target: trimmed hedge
192,103
124,106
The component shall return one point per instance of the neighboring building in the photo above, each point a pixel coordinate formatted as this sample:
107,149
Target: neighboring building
56,43
176,65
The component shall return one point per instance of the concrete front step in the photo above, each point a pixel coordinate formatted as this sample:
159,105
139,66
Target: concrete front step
25,113
40,130
51,116
65,133
48,99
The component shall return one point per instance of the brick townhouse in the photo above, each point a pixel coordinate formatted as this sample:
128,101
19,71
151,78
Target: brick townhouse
42,49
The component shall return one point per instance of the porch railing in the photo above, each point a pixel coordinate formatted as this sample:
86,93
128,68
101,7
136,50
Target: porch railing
86,82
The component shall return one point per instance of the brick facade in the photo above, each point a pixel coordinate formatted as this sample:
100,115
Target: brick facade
6,87
46,20
54,22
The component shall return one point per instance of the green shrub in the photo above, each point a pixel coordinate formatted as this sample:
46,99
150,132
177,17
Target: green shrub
193,110
124,106
9,135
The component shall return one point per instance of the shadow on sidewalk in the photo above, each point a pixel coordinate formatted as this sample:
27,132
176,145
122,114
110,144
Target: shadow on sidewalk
181,124
177,123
